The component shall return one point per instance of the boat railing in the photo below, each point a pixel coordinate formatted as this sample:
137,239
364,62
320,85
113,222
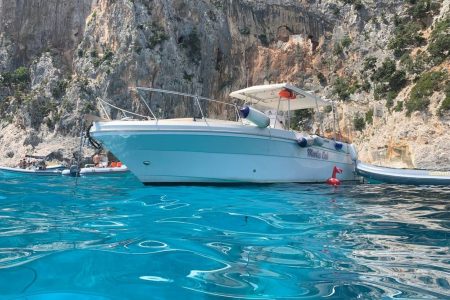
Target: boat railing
124,111
151,114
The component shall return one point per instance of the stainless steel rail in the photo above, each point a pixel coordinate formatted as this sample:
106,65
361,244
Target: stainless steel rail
122,110
152,116
195,97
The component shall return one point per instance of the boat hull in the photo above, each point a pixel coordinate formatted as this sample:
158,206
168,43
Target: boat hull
96,171
377,174
103,171
18,171
159,154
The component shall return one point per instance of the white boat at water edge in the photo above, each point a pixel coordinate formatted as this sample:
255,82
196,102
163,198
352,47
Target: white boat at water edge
92,170
379,174
49,171
204,150
58,170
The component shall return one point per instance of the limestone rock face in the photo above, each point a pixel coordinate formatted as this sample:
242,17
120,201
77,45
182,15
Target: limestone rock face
76,51
32,27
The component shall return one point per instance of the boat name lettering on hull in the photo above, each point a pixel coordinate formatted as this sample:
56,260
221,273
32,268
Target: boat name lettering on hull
438,173
317,154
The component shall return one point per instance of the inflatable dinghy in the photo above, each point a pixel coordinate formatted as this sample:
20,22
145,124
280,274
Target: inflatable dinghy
52,171
96,171
402,176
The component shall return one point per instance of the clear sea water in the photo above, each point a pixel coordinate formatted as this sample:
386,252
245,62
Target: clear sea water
113,238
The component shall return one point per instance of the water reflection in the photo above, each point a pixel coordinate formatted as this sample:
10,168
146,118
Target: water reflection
405,246
278,241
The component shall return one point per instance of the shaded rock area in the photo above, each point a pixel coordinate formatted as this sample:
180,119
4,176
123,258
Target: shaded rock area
58,57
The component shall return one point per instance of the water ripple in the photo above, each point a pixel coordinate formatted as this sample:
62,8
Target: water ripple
288,241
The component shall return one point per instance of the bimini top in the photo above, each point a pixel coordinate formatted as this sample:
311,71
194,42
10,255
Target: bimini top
269,95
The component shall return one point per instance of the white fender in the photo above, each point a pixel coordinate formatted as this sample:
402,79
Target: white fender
255,116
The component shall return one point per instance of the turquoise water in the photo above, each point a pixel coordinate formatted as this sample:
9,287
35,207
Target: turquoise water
112,238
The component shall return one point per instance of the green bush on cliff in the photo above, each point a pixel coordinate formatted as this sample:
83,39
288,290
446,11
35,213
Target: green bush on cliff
445,105
399,106
414,66
341,45
244,31
390,96
322,79
107,57
359,123
439,46
327,109
346,41
407,33
370,63
337,49
193,45
335,10
388,80
187,76
366,86
59,89
397,81
21,75
301,119
427,84
356,3
406,36
421,9
158,36
94,53
343,89
88,107
406,61
264,40
369,116
384,72
20,78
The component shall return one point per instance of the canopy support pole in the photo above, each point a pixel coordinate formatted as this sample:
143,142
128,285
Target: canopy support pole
276,114
320,117
334,119
289,114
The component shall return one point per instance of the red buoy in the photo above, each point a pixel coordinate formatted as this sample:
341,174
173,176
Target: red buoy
287,94
333,180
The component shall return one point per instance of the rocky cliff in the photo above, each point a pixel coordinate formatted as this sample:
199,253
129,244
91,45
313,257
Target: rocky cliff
384,62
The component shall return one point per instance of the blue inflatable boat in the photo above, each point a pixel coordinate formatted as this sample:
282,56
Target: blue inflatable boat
402,176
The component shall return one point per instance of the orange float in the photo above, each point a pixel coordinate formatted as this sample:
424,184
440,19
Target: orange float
287,94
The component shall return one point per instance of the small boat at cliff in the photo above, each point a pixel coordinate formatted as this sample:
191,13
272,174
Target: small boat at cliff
252,148
377,174
49,171
90,170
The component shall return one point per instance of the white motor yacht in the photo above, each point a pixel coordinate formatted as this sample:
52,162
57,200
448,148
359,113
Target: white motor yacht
205,150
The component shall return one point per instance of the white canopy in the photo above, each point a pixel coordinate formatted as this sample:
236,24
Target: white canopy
268,96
